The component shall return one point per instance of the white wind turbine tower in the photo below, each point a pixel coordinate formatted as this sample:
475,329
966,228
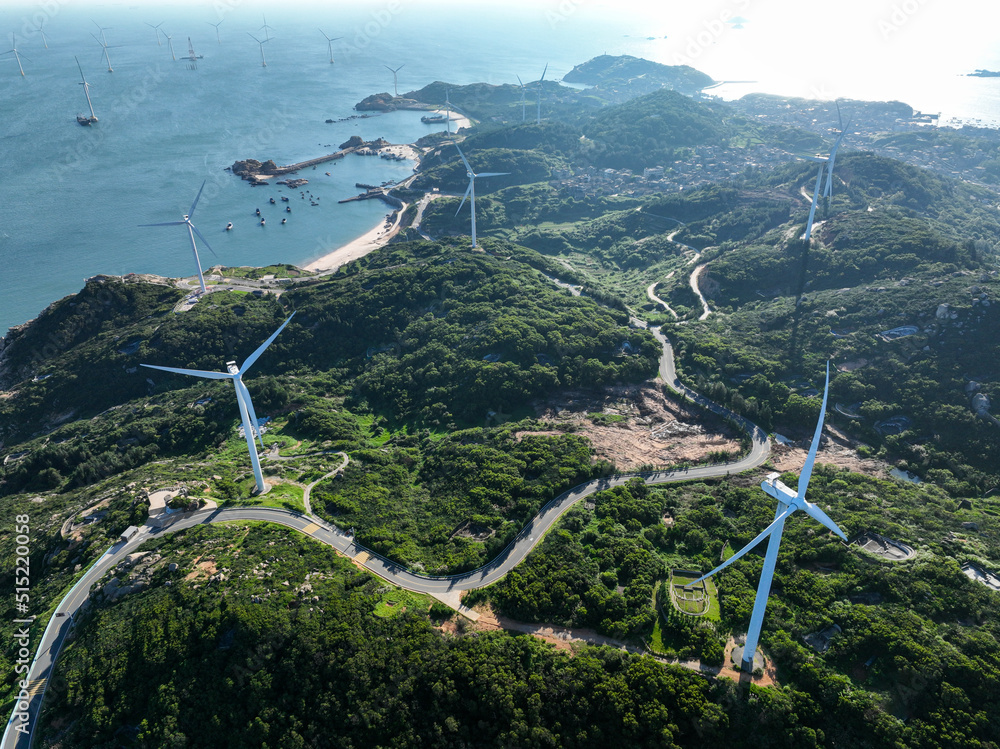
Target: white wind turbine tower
538,121
216,25
170,46
13,48
522,98
39,29
192,230
395,89
86,90
447,111
263,62
104,43
156,30
248,416
833,156
470,191
330,41
822,160
788,502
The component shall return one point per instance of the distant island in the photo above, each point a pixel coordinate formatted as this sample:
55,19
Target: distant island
980,73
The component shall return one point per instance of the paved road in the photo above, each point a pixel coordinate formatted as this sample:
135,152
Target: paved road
322,531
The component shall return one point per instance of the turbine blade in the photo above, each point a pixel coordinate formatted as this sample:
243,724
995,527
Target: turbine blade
492,174
543,74
464,197
519,81
839,118
202,238
260,349
196,199
194,372
168,223
249,404
807,469
760,537
817,514
464,160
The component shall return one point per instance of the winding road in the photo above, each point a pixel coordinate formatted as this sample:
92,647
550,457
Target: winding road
443,588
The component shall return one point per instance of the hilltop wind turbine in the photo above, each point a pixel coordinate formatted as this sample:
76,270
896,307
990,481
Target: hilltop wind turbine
522,98
447,111
471,190
538,121
833,156
192,230
265,28
330,41
13,48
216,25
248,416
788,502
39,29
822,160
156,30
263,62
395,90
86,90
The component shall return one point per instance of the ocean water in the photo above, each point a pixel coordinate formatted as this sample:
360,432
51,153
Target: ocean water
71,197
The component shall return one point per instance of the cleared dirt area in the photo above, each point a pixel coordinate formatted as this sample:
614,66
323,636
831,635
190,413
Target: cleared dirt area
836,448
637,425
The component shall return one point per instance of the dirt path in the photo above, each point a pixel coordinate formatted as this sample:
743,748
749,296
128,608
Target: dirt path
650,292
695,275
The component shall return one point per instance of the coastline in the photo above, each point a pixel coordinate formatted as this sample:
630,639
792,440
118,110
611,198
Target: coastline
376,237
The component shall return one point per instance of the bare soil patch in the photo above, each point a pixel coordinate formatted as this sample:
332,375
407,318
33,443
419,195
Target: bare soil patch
653,428
836,448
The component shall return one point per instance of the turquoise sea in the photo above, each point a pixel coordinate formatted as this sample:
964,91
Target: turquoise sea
71,197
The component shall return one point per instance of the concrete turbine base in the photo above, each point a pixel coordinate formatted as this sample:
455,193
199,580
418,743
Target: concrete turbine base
737,655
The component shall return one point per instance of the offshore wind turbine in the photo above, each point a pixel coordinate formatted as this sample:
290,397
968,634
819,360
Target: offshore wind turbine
522,97
104,43
470,191
170,46
538,121
263,62
13,48
216,25
788,502
192,230
156,30
39,29
86,90
395,90
330,41
247,414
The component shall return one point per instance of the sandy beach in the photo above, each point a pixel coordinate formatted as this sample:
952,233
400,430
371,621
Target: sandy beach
358,247
458,121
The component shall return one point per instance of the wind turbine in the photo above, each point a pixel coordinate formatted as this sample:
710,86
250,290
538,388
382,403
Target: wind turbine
265,28
538,121
471,190
822,160
104,43
447,111
395,90
522,97
86,90
788,502
247,414
833,156
216,25
192,230
170,46
13,48
263,62
330,41
156,30
38,28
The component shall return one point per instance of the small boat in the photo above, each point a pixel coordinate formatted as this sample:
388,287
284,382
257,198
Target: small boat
258,211
288,209
272,201
284,220
229,226
284,199
262,221
328,174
